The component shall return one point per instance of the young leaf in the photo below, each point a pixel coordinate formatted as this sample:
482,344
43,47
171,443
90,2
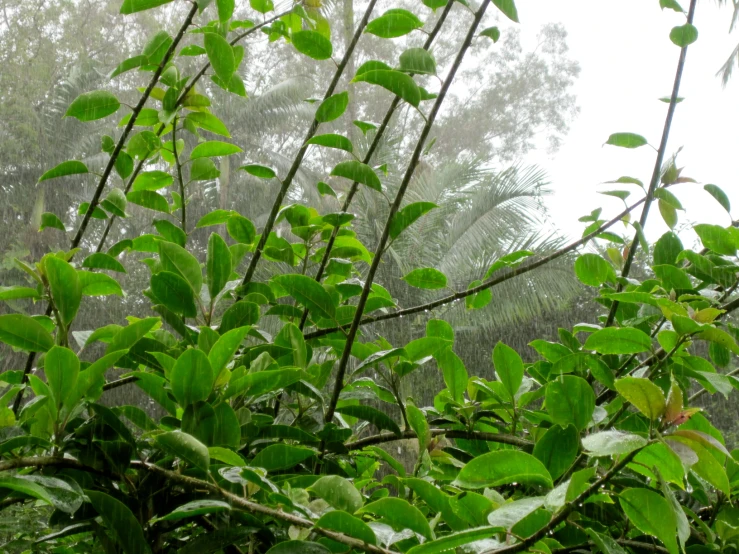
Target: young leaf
333,107
647,397
492,33
72,167
93,105
684,35
503,467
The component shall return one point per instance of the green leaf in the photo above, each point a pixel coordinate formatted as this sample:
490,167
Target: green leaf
133,6
420,426
262,382
239,314
214,148
216,217
557,449
65,286
684,35
309,293
148,199
626,140
282,456
492,33
225,347
570,400
406,216
220,55
115,202
72,167
593,270
218,264
347,524
49,220
379,419
503,467
426,278
228,427
262,6
508,7
651,514
612,443
417,60
331,140
480,299
359,172
718,194
338,492
718,336
62,368
400,515
333,107
192,377
397,82
393,23
261,171
605,543
93,105
186,447
55,492
174,292
15,293
662,457
671,4
120,521
618,340
716,238
667,249
128,65
131,334
209,122
100,260
508,367
152,180
196,508
668,213
296,546
454,372
225,9
203,169
176,259
450,543
313,44
646,397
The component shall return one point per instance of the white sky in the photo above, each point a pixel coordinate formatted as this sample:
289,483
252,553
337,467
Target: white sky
628,62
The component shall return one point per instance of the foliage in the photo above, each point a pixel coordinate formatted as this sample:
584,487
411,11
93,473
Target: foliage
264,440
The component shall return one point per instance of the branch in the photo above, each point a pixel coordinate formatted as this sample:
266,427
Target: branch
639,545
368,156
657,172
525,268
51,461
448,433
303,149
120,382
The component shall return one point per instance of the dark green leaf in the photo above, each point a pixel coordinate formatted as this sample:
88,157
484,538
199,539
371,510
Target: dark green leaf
174,292
570,400
651,514
100,260
186,447
220,55
508,367
66,289
192,377
338,492
557,449
379,419
309,293
405,217
218,264
399,514
282,456
718,194
120,521
501,468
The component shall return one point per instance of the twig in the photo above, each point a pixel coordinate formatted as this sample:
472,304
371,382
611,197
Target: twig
448,433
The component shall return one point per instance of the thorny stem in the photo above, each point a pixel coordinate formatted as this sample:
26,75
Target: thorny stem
657,172
339,382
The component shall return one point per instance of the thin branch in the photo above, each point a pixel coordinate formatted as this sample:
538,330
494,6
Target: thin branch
339,382
183,198
120,382
303,149
657,172
448,433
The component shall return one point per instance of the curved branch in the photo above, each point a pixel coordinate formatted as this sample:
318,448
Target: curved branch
449,433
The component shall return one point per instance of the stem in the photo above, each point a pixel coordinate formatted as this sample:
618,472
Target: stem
656,173
179,177
368,157
339,384
448,433
303,149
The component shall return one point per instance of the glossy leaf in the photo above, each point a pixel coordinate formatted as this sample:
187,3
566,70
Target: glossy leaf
359,172
186,447
72,167
651,514
647,397
65,286
312,44
338,492
309,293
379,419
399,513
618,340
333,107
93,105
503,467
393,23
397,82
426,278
570,400
192,377
218,264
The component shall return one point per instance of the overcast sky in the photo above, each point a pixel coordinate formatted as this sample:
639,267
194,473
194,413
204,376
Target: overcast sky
628,62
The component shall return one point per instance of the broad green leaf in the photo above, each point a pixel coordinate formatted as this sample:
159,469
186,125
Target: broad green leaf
333,107
508,7
260,171
359,172
406,216
228,427
626,140
220,55
225,9
239,314
313,44
149,199
417,60
282,456
296,546
128,65
218,264
262,382
716,238
684,35
612,443
399,514
209,122
174,292
667,249
93,105
309,293
605,543
646,397
347,524
618,340
196,508
241,229
62,368
176,259
492,33
98,284
115,202
192,377
51,221
557,449
133,6
662,457
570,400
262,6
420,426
503,467
379,419
454,372
120,521
397,82
510,513
214,148
720,337
593,270
480,299
127,337
426,278
719,195
668,213
216,217
508,367
450,543
338,492
186,447
393,23
152,180
203,169
651,514
65,286
225,347
21,331
15,293
72,167
100,260
331,140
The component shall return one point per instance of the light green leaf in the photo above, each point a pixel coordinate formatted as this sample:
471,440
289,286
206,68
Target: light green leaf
612,443
651,514
214,148
133,6
62,368
313,44
192,377
338,492
684,35
209,122
220,55
331,140
593,270
618,340
72,167
450,543
417,60
51,221
399,514
503,467
93,105
393,23
347,524
225,347
359,172
100,260
176,259
309,293
492,33
508,367
261,171
218,264
397,82
426,278
570,400
333,107
148,199
66,289
646,397
719,195
406,216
